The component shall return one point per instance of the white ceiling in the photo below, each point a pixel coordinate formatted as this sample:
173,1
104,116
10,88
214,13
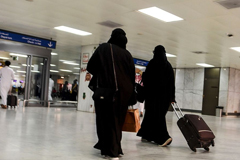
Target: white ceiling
204,28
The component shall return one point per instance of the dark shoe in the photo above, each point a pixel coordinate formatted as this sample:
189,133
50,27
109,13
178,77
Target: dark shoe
168,142
4,106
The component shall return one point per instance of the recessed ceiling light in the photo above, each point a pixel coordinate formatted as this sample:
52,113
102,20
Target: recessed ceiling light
204,65
76,68
14,66
21,71
140,67
35,71
4,58
170,55
72,30
160,14
53,71
62,77
54,54
76,73
19,55
236,49
71,63
65,70
26,65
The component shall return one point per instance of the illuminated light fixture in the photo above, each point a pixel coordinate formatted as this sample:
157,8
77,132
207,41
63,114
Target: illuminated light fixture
235,49
65,70
62,77
35,71
53,71
19,55
71,63
76,73
52,65
160,14
54,54
72,30
21,71
170,55
62,60
140,67
24,75
76,68
204,65
4,58
26,65
14,66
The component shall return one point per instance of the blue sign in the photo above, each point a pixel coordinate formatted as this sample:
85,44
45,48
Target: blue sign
7,35
140,62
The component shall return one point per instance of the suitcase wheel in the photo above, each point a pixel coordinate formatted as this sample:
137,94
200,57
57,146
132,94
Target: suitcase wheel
213,143
206,148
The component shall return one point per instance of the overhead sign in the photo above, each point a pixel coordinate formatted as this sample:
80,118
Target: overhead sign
140,62
11,36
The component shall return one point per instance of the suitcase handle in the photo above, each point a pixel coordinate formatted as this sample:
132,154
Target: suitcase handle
175,110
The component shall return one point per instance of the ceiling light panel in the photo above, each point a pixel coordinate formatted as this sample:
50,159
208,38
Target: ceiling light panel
160,14
65,70
54,54
14,66
53,71
170,55
235,49
71,63
73,30
18,55
4,58
204,65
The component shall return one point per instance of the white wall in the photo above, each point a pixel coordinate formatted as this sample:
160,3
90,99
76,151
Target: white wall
233,104
223,88
86,104
189,88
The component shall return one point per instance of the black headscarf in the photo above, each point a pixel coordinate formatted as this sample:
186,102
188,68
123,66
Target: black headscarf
118,38
160,55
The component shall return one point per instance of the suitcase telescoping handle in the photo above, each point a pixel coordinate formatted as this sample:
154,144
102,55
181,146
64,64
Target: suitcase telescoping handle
175,107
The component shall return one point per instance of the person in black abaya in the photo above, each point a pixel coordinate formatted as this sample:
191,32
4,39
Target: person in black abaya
159,87
110,116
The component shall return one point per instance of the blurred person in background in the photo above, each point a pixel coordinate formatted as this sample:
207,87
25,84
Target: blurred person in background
51,85
7,75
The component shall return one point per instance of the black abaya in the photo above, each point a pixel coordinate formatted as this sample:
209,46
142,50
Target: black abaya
110,116
160,92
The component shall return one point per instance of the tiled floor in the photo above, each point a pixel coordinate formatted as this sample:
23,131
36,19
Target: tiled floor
34,133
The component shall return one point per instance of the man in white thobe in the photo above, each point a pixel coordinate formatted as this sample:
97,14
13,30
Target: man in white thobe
7,75
51,85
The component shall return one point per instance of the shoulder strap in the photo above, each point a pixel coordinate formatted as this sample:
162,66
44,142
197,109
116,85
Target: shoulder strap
115,77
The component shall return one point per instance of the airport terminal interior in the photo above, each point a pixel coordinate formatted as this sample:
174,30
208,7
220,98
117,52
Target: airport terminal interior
57,38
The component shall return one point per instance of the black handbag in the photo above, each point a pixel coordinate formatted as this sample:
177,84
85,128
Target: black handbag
106,94
140,92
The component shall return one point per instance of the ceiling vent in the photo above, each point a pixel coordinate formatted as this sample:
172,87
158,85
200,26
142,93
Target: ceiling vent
199,52
110,24
229,4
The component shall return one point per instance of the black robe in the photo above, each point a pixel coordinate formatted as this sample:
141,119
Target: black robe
159,87
110,116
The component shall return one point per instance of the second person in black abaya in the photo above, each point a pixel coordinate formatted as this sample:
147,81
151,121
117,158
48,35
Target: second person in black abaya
159,87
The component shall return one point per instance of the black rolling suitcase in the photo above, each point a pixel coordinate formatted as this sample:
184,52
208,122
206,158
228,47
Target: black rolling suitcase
194,129
12,100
